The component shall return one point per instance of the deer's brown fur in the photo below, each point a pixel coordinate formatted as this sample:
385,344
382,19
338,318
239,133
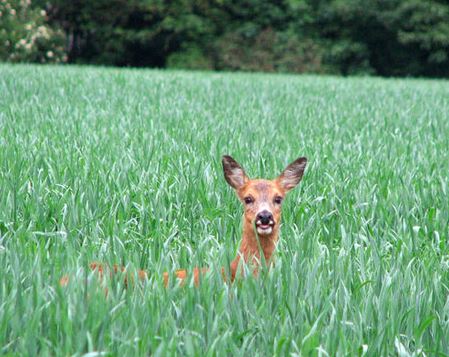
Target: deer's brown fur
262,202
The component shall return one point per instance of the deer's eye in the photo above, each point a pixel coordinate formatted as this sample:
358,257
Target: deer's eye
248,200
278,200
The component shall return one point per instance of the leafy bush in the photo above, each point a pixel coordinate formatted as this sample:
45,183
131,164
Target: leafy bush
422,30
190,58
392,38
25,36
269,51
350,57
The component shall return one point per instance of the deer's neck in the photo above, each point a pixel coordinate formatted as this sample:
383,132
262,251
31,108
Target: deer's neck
253,245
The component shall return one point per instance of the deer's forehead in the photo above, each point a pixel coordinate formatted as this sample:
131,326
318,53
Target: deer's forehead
262,188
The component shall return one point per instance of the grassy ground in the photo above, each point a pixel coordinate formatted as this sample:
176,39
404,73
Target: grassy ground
123,166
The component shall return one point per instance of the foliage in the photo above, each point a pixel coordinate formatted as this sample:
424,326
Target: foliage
268,51
137,33
190,58
123,166
422,28
399,37
390,38
25,36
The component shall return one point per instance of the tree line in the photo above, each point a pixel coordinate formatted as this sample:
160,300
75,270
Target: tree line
381,37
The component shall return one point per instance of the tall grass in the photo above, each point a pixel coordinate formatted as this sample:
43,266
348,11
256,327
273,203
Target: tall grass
123,166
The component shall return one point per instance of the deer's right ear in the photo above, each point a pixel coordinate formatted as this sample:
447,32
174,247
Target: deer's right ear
292,174
233,172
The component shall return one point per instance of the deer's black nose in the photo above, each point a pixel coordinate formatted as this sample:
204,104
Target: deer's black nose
264,217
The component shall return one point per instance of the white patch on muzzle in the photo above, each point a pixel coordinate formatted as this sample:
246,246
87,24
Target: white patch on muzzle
264,229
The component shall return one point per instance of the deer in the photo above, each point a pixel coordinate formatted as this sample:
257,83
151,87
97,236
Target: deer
262,201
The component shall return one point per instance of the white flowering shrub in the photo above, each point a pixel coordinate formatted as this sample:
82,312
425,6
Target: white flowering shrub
26,37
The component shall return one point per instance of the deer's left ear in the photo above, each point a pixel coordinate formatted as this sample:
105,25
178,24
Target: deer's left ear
292,174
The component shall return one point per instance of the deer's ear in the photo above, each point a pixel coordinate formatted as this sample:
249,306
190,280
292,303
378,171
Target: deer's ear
292,174
233,172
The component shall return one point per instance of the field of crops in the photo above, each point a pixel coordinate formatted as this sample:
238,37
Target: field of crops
124,166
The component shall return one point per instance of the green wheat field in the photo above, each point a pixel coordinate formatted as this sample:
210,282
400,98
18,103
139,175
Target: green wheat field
123,166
